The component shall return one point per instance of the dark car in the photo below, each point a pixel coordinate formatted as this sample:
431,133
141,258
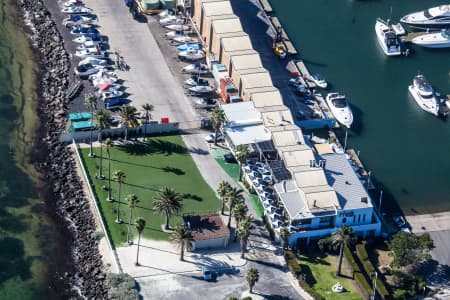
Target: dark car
229,158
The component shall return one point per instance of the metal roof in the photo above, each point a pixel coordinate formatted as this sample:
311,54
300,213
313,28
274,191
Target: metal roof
217,8
244,135
343,179
313,177
241,113
288,138
241,62
230,24
237,43
254,80
270,98
277,118
298,158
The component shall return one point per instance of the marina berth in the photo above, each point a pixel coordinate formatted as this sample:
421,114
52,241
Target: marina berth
340,108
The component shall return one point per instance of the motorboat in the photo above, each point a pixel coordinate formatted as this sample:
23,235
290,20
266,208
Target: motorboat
77,9
435,17
433,40
172,20
186,46
184,39
387,38
90,52
195,80
176,33
103,77
109,87
201,89
84,31
319,80
423,94
94,61
89,44
177,27
106,95
94,38
195,68
340,108
87,69
191,54
76,20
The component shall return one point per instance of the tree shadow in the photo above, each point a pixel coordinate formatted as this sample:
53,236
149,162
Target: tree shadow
269,264
176,171
153,146
191,196
198,151
308,276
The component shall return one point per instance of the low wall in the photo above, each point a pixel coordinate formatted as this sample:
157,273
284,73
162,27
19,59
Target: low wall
81,136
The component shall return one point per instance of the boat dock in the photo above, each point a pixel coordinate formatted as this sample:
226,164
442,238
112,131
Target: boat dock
266,6
305,74
408,38
287,42
356,162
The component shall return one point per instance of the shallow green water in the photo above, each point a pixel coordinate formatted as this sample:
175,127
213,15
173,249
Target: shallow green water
27,238
407,149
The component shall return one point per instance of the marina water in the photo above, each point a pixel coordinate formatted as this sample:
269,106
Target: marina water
29,239
407,149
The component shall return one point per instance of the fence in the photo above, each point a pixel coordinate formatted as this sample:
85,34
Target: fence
99,215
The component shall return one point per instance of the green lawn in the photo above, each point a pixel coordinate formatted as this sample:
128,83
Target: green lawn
320,273
163,161
232,169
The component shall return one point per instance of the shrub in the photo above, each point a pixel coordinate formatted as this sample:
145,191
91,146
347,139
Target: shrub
310,290
121,286
324,243
359,277
400,294
292,263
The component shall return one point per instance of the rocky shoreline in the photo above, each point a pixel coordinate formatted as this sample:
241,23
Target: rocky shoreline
55,161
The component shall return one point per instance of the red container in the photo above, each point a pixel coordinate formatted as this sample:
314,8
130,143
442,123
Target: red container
165,120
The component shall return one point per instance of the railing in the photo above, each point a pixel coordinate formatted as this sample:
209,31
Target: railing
94,201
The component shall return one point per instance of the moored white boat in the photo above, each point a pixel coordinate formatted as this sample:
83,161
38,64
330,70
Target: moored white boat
435,17
191,54
340,108
387,38
433,40
195,68
319,80
423,94
184,39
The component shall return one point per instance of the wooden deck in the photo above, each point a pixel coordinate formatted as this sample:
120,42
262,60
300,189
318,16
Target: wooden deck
266,6
412,35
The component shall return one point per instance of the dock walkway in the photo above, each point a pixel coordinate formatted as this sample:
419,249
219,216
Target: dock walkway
266,6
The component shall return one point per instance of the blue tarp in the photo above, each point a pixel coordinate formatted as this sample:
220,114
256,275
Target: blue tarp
184,47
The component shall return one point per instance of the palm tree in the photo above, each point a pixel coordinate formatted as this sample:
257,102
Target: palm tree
239,213
148,109
285,234
108,145
182,236
233,197
119,176
244,232
128,114
241,155
102,119
167,202
252,278
140,225
345,236
222,190
132,201
217,119
90,101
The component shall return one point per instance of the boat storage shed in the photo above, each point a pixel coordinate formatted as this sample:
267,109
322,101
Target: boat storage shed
196,10
244,64
223,28
240,114
252,82
213,9
282,117
267,99
235,45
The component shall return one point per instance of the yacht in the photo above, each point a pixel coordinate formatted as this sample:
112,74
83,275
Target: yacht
423,94
339,107
435,17
433,40
387,38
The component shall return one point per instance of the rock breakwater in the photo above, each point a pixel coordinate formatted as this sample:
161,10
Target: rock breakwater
64,190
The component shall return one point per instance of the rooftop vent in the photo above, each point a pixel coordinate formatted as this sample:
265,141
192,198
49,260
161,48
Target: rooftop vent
364,200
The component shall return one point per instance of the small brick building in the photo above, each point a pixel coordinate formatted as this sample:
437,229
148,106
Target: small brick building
208,231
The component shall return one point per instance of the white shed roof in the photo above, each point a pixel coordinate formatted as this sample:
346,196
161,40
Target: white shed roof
227,25
241,113
217,8
244,135
288,138
241,62
298,157
271,98
237,43
313,177
255,80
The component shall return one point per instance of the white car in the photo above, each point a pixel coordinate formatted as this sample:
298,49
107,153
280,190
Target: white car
210,137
